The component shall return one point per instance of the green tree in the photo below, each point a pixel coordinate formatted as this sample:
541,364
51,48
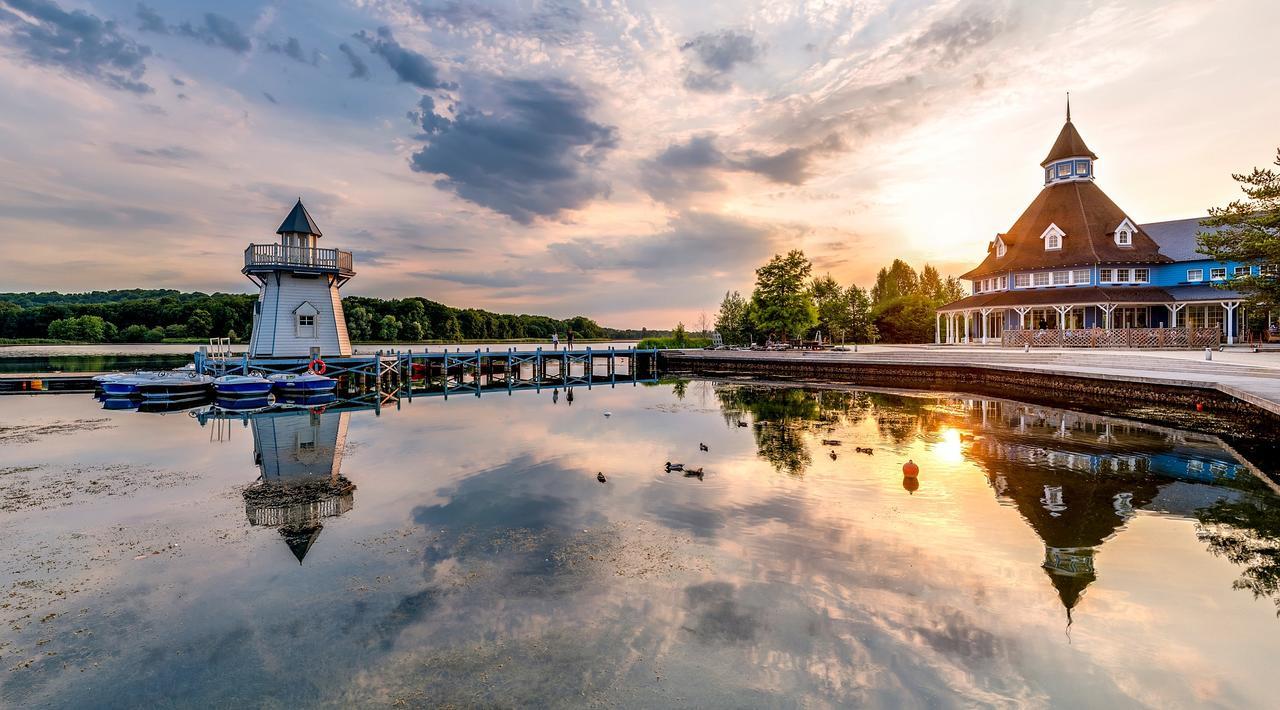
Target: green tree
898,279
134,334
906,319
1248,231
155,335
731,321
388,328
87,329
862,326
783,303
833,307
930,284
200,324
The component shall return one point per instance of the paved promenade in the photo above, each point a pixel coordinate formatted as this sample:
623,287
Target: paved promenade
1251,377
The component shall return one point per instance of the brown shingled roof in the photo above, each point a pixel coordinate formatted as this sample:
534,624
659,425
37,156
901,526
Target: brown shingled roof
1086,216
1068,145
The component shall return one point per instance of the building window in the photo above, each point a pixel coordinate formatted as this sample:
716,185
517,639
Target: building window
1218,273
1122,275
1242,271
1061,278
1041,278
1124,238
1048,174
1003,282
1021,280
1104,276
1195,275
977,286
1001,249
1080,276
1064,170
1142,276
1082,167
1269,270
1052,241
306,326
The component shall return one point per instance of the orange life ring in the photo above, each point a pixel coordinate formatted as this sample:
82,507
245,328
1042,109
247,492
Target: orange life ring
318,410
317,366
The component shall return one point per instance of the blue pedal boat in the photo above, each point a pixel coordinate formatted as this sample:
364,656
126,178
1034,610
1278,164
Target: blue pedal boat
307,383
242,386
125,385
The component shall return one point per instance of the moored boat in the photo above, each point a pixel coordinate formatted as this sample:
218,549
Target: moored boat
175,385
306,400
242,404
242,386
306,383
125,384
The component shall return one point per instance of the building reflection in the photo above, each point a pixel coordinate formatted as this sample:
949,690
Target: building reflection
298,452
1078,479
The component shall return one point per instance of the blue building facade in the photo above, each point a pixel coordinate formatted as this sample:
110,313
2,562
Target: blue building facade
1076,264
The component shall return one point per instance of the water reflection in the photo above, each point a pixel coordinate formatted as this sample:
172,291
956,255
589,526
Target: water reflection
486,565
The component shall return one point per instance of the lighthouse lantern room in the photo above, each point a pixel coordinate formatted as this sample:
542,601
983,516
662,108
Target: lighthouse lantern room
299,309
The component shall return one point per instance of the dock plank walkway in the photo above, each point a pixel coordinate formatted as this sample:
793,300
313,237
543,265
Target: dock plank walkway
1249,377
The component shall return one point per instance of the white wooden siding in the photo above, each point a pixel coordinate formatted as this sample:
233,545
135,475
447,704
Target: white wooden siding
275,334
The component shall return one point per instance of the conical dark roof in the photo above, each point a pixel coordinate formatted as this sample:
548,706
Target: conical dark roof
299,220
1068,145
300,538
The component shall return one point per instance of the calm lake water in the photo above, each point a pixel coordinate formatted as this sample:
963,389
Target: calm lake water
1041,557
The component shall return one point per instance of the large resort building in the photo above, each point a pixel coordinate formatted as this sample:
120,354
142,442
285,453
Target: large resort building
1077,270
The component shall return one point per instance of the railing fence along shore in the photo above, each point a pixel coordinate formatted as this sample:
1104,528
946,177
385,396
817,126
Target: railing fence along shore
1115,338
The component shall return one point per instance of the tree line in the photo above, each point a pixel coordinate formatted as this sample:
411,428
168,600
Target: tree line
142,315
788,303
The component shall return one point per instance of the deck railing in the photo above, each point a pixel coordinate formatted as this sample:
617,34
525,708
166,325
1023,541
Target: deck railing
271,255
1115,338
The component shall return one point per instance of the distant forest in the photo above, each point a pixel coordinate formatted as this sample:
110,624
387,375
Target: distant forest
156,315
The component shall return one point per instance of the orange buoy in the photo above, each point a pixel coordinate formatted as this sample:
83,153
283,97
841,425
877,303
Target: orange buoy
910,469
911,484
1199,406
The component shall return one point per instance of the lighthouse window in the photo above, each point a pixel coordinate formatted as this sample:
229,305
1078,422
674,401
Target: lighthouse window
306,326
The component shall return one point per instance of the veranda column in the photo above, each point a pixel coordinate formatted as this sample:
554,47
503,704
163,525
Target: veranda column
937,328
1229,309
986,316
967,324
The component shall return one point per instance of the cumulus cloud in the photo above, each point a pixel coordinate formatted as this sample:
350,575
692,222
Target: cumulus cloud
409,66
76,42
695,243
292,49
359,70
149,20
217,31
555,22
535,153
714,57
694,166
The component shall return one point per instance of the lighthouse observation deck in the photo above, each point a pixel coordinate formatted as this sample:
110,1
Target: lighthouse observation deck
269,257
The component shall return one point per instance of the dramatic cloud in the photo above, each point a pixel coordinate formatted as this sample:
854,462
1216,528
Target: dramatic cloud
952,37
292,49
714,57
555,22
694,166
534,154
359,70
76,42
150,20
695,243
409,66
217,31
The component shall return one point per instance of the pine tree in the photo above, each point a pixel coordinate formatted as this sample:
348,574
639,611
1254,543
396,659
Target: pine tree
1248,231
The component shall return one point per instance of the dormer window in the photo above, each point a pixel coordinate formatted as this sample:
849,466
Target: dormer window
1124,233
1001,249
1052,238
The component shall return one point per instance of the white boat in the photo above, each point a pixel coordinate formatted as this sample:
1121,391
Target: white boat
306,383
175,385
242,385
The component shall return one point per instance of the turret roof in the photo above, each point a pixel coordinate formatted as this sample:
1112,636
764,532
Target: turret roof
1068,145
299,220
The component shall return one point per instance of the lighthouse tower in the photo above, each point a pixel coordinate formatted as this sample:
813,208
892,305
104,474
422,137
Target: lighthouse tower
299,307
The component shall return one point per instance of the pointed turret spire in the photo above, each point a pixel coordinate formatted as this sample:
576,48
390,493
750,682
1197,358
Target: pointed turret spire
299,222
1068,108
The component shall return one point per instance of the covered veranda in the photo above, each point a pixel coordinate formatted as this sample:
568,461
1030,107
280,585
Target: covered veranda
1074,316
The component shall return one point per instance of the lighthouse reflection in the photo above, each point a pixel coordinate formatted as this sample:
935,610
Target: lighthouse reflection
298,452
